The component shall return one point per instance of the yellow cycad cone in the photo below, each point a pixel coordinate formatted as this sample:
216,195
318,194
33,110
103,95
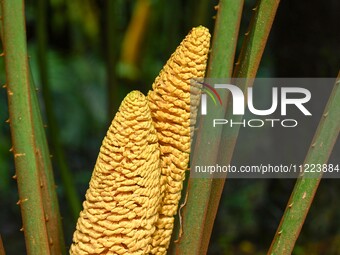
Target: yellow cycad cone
170,103
123,199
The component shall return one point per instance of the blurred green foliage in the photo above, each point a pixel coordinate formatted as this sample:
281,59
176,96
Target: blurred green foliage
304,42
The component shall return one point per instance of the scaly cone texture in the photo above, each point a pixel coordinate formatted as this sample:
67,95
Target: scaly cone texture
170,103
123,199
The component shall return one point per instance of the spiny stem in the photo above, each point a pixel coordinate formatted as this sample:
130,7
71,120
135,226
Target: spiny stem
21,122
47,184
205,194
256,39
307,184
197,222
247,65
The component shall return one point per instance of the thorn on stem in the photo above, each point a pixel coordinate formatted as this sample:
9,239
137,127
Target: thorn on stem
216,7
4,86
22,229
7,121
11,149
20,201
15,177
16,155
2,54
325,115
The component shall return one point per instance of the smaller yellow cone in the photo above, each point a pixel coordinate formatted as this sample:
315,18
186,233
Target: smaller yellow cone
123,199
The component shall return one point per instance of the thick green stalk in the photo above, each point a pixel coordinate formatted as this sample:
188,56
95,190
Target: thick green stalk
247,66
196,223
256,39
204,194
71,194
49,194
307,184
21,122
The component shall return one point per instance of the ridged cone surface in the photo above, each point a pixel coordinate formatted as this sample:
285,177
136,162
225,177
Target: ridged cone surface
122,202
170,103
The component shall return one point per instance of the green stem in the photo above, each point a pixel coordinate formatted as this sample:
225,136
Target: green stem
307,184
21,122
256,39
49,194
204,194
249,61
197,221
225,37
71,194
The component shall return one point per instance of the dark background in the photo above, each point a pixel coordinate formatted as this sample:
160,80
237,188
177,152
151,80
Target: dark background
304,42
